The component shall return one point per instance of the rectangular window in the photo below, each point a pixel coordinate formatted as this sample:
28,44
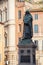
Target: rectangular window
19,14
36,16
20,27
36,28
36,43
25,59
5,41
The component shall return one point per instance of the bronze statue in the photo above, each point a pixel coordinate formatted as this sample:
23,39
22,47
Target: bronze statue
27,31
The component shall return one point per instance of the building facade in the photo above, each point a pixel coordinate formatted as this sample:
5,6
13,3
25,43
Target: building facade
11,16
38,35
37,14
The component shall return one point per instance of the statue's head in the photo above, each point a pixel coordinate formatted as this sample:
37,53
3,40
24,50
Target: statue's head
27,12
27,17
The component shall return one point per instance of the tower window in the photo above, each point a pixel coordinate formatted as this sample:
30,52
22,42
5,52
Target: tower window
19,14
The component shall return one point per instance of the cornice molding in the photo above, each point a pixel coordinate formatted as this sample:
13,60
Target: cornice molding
34,7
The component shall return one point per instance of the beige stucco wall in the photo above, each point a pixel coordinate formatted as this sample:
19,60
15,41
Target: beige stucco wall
19,6
38,36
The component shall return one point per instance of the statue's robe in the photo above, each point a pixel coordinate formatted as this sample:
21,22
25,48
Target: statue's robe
27,31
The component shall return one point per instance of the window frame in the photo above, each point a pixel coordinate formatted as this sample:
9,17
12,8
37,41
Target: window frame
19,14
20,28
36,28
36,16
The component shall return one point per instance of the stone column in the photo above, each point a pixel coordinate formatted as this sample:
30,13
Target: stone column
11,32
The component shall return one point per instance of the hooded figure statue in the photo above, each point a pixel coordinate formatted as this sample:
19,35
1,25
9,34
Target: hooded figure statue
28,30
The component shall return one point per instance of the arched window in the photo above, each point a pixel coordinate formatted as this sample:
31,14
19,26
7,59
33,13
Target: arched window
4,15
0,16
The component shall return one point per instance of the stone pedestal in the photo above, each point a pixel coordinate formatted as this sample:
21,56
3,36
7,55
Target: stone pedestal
26,52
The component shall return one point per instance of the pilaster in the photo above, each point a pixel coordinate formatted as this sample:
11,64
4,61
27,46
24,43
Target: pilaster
11,33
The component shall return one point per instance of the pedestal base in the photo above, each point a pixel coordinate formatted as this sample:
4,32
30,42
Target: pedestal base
26,52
